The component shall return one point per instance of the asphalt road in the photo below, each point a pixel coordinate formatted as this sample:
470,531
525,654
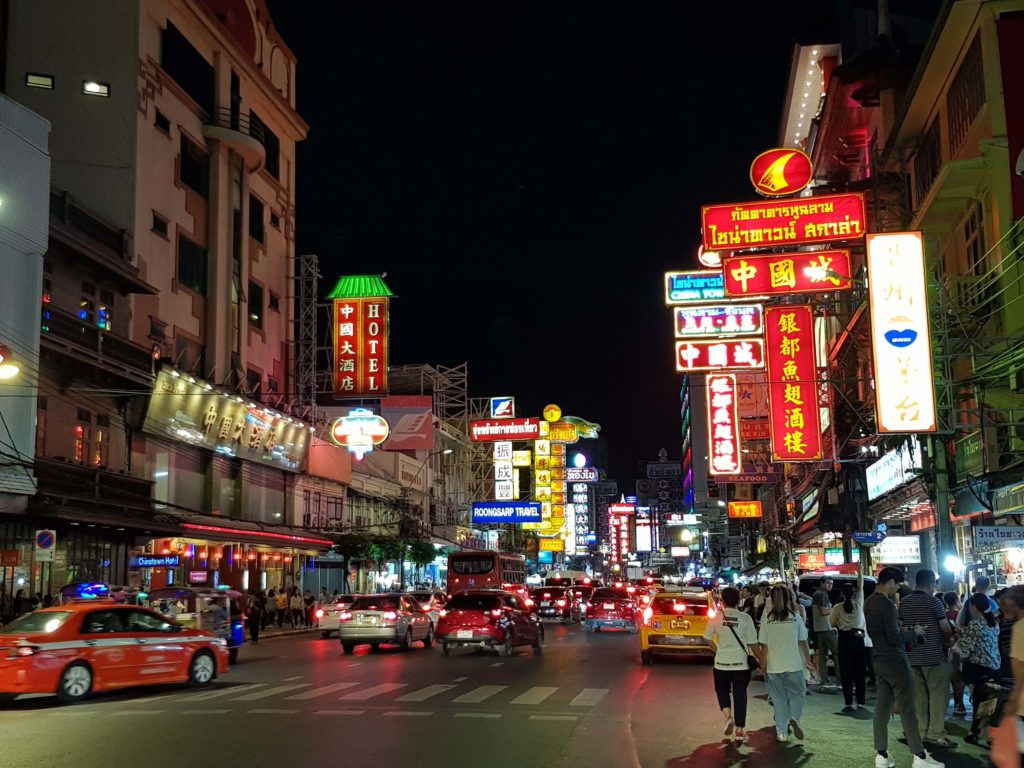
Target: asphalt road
587,701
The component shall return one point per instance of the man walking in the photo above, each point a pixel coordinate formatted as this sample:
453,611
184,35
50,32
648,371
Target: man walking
825,637
893,677
928,659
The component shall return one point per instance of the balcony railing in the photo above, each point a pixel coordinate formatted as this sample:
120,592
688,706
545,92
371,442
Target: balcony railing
239,131
83,486
236,120
65,208
104,348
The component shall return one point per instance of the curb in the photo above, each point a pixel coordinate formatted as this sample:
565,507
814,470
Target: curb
281,635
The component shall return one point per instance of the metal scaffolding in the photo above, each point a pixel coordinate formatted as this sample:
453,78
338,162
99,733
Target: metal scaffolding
307,279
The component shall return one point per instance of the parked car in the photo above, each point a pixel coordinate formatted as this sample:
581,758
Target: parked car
613,607
389,618
489,619
327,615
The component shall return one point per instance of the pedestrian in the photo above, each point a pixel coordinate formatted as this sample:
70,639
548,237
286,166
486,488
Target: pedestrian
848,620
323,598
47,600
254,615
894,678
759,600
298,608
783,654
281,606
309,604
929,659
981,587
733,635
21,603
826,642
979,647
951,601
1014,601
1007,621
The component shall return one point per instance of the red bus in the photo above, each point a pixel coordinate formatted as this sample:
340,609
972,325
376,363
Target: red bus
483,569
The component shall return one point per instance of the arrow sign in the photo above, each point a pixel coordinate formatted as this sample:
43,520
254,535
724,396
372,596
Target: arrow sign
869,538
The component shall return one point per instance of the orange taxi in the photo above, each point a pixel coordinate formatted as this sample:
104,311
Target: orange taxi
73,650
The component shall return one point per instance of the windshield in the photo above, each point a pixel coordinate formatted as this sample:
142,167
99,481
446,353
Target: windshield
472,603
376,603
610,593
471,565
667,604
548,593
41,622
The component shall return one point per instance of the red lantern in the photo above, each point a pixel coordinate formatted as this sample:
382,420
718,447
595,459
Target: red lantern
218,553
252,555
203,554
277,557
287,558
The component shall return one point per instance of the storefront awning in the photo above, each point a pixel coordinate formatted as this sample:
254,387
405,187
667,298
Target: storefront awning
218,528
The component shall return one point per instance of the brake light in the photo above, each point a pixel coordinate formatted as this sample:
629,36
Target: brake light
547,595
497,613
645,599
390,615
442,613
560,603
631,590
618,585
678,607
319,613
586,581
712,613
345,616
529,603
650,580
426,608
648,613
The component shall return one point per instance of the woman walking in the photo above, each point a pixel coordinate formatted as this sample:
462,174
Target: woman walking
782,651
254,615
848,618
979,646
733,635
298,609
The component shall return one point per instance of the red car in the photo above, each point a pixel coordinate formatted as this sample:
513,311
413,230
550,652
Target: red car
489,619
613,607
75,649
551,602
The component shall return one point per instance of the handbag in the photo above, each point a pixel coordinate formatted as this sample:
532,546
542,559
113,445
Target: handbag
752,662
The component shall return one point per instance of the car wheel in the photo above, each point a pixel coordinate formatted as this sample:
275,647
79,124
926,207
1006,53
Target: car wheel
446,648
406,643
428,641
6,698
325,633
75,683
374,647
645,657
348,648
233,655
202,669
538,646
507,648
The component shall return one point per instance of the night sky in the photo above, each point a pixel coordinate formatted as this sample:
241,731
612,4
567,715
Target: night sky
525,172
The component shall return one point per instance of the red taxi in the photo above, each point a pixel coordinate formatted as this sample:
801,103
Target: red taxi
489,619
75,649
613,607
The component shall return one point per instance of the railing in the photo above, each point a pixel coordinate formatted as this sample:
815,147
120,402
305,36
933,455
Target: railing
235,120
106,346
93,486
65,208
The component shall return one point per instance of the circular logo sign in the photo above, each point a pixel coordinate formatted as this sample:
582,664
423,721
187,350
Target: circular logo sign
780,172
711,259
552,412
360,431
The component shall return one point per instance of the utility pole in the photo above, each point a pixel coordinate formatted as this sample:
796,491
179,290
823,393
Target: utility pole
944,526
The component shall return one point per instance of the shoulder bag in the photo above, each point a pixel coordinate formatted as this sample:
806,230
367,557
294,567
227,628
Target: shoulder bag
752,662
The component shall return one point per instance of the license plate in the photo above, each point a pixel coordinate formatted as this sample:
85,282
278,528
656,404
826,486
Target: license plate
607,606
680,625
465,634
545,605
366,620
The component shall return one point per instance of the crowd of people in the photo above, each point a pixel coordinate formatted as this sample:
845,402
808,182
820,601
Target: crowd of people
283,607
920,649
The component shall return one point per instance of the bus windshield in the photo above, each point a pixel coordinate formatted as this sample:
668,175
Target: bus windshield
471,565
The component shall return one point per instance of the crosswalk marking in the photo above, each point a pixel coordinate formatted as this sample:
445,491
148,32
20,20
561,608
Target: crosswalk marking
479,694
138,712
559,718
205,711
369,693
271,711
228,691
589,697
321,691
534,695
482,715
340,712
408,713
257,695
425,693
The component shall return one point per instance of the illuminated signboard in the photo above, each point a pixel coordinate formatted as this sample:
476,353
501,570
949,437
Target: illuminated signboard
581,474
551,545
739,510
694,287
719,354
506,512
792,383
766,223
727,320
755,429
723,425
551,412
679,551
785,273
811,561
155,561
780,172
581,511
900,336
503,407
489,430
522,458
621,509
361,347
710,259
562,432
360,431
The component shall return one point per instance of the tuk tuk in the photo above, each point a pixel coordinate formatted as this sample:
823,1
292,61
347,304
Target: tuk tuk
215,610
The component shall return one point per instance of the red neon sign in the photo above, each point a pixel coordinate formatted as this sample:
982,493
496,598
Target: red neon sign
361,347
723,425
781,171
792,383
489,430
783,273
725,320
259,534
719,354
765,223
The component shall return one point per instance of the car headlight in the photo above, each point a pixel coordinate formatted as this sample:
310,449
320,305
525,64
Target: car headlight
221,642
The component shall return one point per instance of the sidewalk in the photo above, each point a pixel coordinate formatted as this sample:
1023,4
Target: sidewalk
272,632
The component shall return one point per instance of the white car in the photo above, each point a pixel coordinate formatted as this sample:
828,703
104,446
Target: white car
432,601
327,614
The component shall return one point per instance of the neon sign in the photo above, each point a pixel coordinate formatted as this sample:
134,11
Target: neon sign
360,431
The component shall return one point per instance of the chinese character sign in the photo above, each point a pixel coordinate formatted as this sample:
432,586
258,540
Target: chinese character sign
361,347
727,320
792,383
900,337
693,287
719,354
762,224
781,273
723,425
739,510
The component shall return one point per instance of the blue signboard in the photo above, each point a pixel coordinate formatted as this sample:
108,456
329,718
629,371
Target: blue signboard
155,561
702,285
869,537
506,512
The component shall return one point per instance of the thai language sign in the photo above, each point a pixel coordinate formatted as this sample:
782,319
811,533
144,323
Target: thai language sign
792,383
726,320
793,221
489,430
782,273
694,287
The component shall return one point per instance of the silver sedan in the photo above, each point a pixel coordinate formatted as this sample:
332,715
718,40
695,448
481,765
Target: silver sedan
390,618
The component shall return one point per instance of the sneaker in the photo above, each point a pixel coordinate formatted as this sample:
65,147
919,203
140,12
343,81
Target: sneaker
794,726
945,742
729,725
884,762
741,735
780,736
959,711
927,762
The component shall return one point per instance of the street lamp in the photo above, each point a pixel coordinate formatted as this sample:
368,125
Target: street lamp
9,367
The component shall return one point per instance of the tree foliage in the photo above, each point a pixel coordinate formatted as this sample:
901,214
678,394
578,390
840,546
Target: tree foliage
353,546
421,552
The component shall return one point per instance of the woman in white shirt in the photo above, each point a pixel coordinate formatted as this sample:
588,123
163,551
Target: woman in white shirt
848,618
733,635
782,651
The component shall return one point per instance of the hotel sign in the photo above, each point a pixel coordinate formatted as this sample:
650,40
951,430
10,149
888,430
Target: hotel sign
361,347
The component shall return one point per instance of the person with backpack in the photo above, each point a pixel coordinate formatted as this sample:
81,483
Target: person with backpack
732,634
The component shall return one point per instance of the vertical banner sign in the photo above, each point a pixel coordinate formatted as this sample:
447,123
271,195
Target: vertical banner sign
792,383
361,347
723,425
900,336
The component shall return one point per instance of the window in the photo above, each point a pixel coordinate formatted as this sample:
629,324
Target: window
255,218
105,317
101,446
191,265
275,220
82,435
86,310
41,405
180,59
144,621
966,95
273,385
157,330
255,305
194,170
188,354
36,80
271,144
162,122
927,162
94,88
974,241
274,302
159,225
254,382
103,622
107,297
47,290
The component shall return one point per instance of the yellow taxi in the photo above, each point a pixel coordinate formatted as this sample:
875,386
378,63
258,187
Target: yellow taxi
674,623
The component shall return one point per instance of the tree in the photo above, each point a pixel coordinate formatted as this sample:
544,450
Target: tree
421,552
352,546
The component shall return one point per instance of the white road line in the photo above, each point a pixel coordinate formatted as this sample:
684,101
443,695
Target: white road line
589,697
205,711
138,712
480,715
228,691
410,713
369,693
271,692
553,717
498,664
425,693
145,699
479,694
321,691
289,679
534,695
339,712
271,711
460,679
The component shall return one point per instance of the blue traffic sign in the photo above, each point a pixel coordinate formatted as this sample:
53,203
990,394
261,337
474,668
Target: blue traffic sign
869,537
45,539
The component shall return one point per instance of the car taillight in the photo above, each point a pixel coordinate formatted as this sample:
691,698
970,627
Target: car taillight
529,603
390,615
648,613
426,609
442,613
631,590
560,603
345,616
319,613
497,613
547,595
645,599
24,650
712,613
679,608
